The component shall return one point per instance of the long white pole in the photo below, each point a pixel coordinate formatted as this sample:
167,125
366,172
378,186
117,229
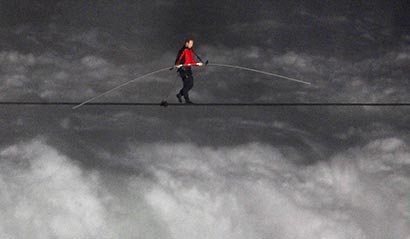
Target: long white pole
259,71
119,86
168,68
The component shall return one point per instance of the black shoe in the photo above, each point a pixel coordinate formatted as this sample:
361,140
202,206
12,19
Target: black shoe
164,103
188,102
179,98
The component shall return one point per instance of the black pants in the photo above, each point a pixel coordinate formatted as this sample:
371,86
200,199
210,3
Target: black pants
188,82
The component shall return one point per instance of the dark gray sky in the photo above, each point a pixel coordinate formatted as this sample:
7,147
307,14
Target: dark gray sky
187,172
350,51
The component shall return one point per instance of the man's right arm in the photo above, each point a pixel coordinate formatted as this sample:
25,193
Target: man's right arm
179,56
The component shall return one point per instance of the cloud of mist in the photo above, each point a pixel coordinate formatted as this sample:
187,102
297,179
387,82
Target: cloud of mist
51,77
380,78
62,63
186,191
253,191
46,195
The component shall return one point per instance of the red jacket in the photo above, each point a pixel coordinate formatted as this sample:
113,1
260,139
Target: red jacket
185,56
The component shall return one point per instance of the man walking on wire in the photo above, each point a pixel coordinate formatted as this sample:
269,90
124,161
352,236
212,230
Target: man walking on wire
183,62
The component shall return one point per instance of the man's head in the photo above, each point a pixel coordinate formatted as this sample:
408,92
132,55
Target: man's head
189,43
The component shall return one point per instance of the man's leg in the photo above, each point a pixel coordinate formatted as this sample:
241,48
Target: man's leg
182,74
188,84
